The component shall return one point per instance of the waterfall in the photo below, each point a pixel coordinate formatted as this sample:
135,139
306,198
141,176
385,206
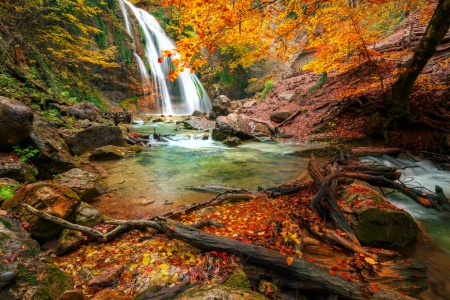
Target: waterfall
182,96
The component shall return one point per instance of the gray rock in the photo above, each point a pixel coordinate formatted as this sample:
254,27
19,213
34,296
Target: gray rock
196,113
16,120
106,277
53,199
95,137
8,273
70,240
249,104
279,116
232,141
221,106
87,215
54,156
285,96
16,170
84,110
85,184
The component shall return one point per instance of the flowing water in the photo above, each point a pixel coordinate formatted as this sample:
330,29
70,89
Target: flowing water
182,96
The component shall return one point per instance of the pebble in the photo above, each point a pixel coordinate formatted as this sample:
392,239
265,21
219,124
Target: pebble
147,201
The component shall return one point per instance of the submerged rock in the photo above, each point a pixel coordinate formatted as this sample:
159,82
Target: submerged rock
53,199
85,184
16,120
95,137
108,152
232,141
375,219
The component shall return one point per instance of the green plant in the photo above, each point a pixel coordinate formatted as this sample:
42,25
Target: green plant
268,87
331,125
320,82
25,154
7,191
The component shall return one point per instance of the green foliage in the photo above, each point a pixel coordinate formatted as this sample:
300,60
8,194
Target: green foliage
25,154
127,103
120,40
320,82
268,87
100,37
7,191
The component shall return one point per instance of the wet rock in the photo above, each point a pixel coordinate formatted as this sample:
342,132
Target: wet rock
87,215
108,152
16,169
106,277
95,137
16,120
199,123
279,116
196,113
375,219
72,295
85,184
267,288
38,277
54,156
232,141
217,291
84,110
9,271
221,106
236,125
70,240
444,167
53,199
263,139
110,294
327,151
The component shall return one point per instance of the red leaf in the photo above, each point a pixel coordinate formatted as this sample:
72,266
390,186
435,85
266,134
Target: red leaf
172,228
160,60
332,273
416,275
374,288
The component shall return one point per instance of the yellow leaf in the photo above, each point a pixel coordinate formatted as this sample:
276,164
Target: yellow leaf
146,260
289,260
370,261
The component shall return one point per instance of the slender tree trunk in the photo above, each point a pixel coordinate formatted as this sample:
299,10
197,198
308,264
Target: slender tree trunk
399,104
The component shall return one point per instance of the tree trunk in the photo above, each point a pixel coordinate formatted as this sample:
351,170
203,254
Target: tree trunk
399,104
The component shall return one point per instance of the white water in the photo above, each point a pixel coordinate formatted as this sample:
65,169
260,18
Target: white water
184,95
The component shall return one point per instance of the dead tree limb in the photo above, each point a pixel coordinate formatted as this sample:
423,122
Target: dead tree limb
291,118
274,130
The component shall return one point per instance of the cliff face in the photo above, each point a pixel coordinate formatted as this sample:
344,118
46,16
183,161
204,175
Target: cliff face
69,51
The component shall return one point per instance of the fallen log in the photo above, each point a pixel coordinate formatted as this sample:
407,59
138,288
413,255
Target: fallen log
367,151
298,268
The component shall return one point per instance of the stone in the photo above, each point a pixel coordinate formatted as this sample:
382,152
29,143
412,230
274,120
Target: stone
106,277
84,110
217,291
267,288
72,295
95,137
38,277
374,219
235,125
108,152
327,151
249,104
238,279
285,96
87,215
110,294
232,141
16,169
280,116
53,199
16,121
86,185
196,113
70,240
221,106
444,167
54,156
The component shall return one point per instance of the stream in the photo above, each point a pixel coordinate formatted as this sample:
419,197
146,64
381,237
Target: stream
162,171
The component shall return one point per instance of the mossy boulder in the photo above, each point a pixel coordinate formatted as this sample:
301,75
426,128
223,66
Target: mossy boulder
53,199
238,279
70,240
87,215
34,279
376,220
108,153
95,137
219,292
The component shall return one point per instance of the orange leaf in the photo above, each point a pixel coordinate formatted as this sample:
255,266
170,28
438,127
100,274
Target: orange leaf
289,260
374,288
160,60
332,273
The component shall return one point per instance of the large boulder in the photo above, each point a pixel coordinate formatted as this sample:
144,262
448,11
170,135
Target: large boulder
110,153
16,120
221,106
53,199
280,116
25,271
70,240
85,184
236,125
87,215
374,219
84,110
13,168
95,137
54,156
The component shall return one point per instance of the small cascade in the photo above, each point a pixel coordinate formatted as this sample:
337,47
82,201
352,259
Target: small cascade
182,96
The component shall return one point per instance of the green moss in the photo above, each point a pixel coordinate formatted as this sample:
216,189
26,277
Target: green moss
238,279
53,284
130,102
27,277
268,87
7,191
320,82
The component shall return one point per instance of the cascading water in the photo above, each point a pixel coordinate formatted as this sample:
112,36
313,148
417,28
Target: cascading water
184,95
